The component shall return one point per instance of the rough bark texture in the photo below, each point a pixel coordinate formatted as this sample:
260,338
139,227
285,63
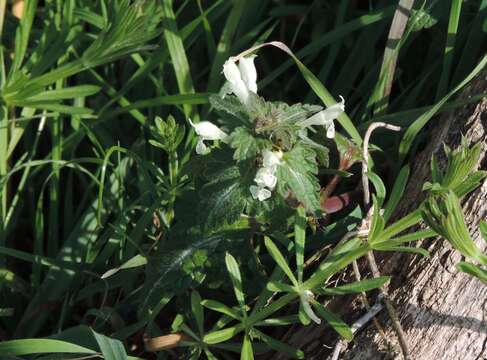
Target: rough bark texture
443,312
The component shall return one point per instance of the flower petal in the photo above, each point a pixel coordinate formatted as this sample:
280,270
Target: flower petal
248,72
237,85
271,159
325,117
201,148
330,131
260,193
208,131
265,178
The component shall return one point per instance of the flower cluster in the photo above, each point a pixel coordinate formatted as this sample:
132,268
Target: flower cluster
241,76
265,177
242,79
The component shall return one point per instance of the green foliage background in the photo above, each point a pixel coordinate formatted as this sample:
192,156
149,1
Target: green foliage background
84,191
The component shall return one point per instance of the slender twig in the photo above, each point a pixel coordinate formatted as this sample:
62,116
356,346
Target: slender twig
357,325
370,255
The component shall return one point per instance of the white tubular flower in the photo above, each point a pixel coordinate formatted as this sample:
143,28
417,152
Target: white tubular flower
305,297
248,72
265,178
237,85
271,159
206,131
242,78
260,193
326,117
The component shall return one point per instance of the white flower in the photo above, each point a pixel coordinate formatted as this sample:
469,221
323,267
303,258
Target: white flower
305,297
271,159
206,131
201,148
265,178
248,72
326,117
241,78
260,193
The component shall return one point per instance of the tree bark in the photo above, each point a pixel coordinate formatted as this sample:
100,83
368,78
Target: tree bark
443,311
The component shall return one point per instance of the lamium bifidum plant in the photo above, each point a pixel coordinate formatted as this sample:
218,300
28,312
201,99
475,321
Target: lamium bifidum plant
249,200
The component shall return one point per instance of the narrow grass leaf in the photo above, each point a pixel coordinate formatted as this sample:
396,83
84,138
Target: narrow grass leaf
236,279
279,259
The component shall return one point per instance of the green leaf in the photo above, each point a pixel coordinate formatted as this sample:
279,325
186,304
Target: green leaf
421,121
299,240
397,192
236,278
247,352
197,311
473,270
224,197
297,173
320,90
177,52
110,348
377,224
136,261
380,189
177,264
356,287
339,258
245,144
277,286
483,229
443,213
406,249
222,335
279,345
40,346
231,111
279,259
335,322
221,308
66,93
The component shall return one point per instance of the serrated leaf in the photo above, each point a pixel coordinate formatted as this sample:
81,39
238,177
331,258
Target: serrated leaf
223,199
233,114
297,173
245,144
